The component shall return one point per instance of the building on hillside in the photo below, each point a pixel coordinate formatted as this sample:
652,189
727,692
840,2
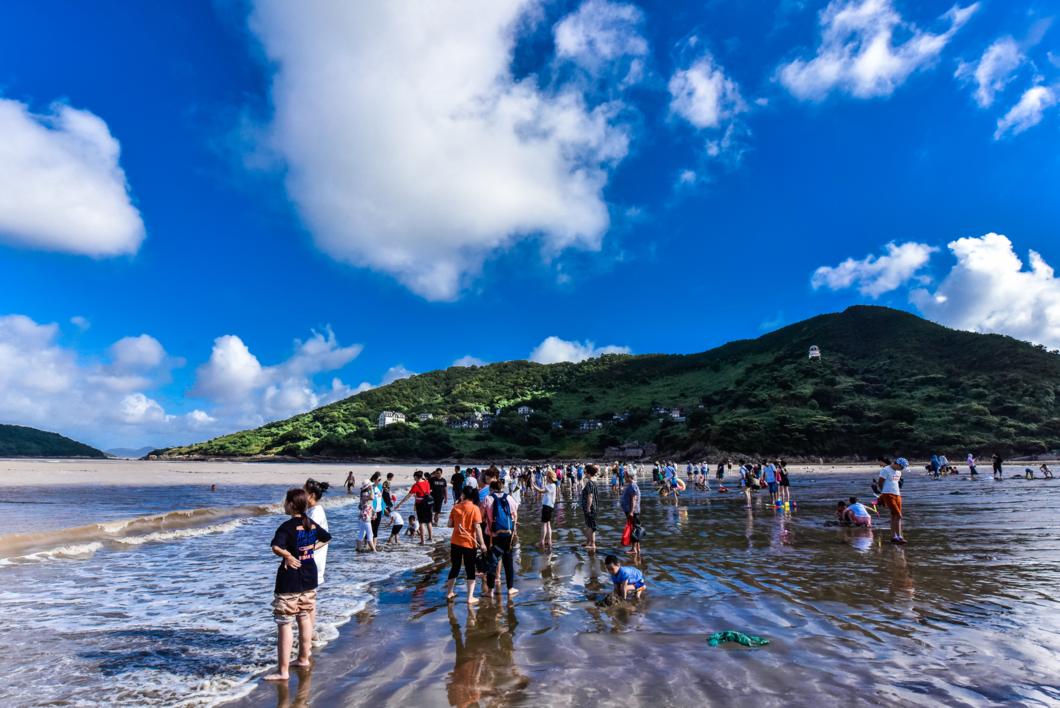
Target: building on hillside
424,417
815,352
677,415
660,411
390,417
620,417
557,425
589,424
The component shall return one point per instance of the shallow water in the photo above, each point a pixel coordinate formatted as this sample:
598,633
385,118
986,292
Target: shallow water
174,610
966,614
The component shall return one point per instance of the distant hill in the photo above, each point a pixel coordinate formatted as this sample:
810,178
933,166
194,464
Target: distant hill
130,453
19,441
887,382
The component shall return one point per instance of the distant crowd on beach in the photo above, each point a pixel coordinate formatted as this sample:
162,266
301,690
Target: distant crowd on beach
488,506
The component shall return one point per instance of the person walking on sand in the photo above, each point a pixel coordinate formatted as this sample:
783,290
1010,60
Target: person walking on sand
295,591
548,507
891,495
589,504
465,519
423,505
630,504
502,525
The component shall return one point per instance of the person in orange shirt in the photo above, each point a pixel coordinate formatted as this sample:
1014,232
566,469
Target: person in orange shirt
465,519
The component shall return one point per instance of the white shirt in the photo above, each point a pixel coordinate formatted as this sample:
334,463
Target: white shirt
549,498
858,509
395,518
317,516
890,477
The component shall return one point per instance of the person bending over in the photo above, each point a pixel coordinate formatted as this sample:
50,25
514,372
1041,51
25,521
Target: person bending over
626,579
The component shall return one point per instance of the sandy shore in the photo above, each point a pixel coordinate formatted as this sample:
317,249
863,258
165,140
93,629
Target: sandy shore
25,473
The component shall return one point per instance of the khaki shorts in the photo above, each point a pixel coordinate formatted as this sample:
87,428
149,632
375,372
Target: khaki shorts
892,502
288,605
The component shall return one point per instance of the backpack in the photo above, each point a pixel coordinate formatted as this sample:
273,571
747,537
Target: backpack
502,515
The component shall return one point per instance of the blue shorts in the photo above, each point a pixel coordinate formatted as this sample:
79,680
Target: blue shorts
773,487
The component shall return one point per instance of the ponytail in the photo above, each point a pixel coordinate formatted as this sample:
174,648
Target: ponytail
296,503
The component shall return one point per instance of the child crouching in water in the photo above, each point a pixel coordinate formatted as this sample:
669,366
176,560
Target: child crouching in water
625,578
296,581
396,522
413,525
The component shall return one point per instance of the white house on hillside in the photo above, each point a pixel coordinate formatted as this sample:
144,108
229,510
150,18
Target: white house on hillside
815,352
390,417
424,417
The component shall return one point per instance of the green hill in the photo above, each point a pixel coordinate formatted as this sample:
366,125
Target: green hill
888,381
19,441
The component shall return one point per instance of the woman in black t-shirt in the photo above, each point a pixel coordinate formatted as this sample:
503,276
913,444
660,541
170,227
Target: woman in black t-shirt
296,581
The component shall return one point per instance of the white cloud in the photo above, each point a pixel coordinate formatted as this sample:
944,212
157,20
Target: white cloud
858,54
61,186
554,350
600,34
133,353
468,360
413,150
876,275
686,177
703,95
989,291
46,385
80,322
396,373
1028,112
248,393
993,70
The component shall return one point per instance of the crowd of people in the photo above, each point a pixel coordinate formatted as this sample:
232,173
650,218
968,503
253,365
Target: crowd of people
489,505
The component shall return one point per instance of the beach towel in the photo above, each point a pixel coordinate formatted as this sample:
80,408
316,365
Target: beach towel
747,640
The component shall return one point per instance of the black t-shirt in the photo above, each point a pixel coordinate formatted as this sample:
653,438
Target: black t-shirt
589,493
299,543
457,480
438,486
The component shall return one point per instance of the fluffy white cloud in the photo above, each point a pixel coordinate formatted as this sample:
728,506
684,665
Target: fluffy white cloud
61,186
1028,112
993,70
412,149
601,33
396,373
468,360
876,275
858,54
248,393
554,350
44,384
703,95
80,322
988,290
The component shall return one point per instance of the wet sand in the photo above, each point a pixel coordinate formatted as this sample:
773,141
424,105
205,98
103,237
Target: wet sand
967,614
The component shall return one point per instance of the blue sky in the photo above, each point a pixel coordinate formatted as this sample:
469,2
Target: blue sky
307,203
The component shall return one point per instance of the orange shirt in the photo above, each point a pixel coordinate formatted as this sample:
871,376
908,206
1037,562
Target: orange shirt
464,517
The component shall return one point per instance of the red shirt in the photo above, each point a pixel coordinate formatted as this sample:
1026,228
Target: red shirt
421,489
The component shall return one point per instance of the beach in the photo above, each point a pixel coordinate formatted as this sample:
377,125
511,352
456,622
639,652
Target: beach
174,611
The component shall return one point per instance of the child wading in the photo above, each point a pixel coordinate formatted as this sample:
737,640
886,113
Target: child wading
296,581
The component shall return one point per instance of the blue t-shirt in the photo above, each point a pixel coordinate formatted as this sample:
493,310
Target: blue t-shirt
769,474
626,574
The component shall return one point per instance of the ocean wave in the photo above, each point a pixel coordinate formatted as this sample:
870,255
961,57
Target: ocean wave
150,528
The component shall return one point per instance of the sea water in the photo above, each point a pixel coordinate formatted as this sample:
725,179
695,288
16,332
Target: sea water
158,595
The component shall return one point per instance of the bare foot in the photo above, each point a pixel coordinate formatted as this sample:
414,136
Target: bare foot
451,596
472,600
303,663
276,677
513,591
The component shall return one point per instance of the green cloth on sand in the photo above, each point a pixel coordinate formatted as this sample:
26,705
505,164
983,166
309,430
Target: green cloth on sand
748,640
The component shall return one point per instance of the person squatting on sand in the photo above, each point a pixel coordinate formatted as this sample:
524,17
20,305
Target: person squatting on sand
295,592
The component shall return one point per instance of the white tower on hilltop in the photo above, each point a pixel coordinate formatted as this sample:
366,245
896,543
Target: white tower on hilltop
815,352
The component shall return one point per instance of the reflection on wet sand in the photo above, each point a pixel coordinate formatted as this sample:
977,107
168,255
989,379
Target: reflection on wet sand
484,669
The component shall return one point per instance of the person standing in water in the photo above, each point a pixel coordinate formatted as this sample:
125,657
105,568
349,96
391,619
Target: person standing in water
971,465
996,461
502,524
351,481
548,507
438,493
465,519
588,505
891,495
295,542
456,482
630,504
423,506
315,490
